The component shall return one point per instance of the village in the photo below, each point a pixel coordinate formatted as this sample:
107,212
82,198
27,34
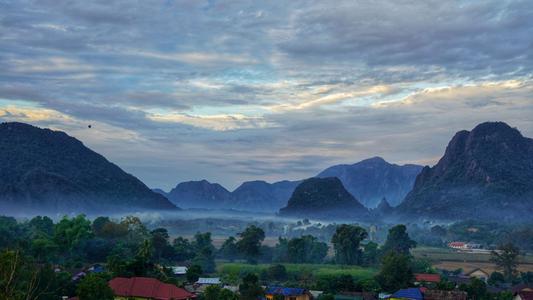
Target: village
101,259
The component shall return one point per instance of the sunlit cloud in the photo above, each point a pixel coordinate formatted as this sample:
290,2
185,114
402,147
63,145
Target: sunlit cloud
265,90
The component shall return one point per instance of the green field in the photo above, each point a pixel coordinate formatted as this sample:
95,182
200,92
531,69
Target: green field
231,271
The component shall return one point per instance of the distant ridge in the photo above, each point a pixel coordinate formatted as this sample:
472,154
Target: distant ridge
369,180
372,179
48,171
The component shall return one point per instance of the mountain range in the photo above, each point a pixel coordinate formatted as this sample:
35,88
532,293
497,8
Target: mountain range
484,173
369,180
372,179
48,171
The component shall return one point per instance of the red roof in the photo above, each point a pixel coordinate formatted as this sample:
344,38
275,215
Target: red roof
147,288
526,295
427,277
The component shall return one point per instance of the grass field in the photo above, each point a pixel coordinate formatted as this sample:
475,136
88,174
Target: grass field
232,270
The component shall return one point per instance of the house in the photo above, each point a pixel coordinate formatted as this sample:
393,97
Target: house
208,281
478,273
459,279
408,294
457,245
179,270
522,287
524,295
356,296
147,288
288,293
445,295
316,294
421,278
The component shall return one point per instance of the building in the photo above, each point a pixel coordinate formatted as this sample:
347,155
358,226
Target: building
421,278
356,296
479,273
179,270
208,281
288,293
147,288
408,294
445,295
524,295
457,245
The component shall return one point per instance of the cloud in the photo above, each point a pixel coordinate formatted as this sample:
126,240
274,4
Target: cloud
233,91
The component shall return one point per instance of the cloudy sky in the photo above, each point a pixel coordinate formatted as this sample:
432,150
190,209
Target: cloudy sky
232,91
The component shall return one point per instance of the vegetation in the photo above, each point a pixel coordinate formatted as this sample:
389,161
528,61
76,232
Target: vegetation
506,260
34,250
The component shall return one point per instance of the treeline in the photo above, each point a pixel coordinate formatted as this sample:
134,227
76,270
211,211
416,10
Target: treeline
37,258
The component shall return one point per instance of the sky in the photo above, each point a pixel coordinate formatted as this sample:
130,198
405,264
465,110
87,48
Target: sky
231,91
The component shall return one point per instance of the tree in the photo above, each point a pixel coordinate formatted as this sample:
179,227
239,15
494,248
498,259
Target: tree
226,294
250,243
98,225
395,272
250,288
42,226
21,278
182,249
277,273
11,234
398,241
370,254
281,250
229,249
477,289
162,248
306,249
214,292
496,279
204,250
346,242
506,259
70,233
193,273
94,287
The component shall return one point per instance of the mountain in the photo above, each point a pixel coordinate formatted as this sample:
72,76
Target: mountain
484,173
48,171
323,198
383,208
369,180
161,192
200,194
372,179
263,196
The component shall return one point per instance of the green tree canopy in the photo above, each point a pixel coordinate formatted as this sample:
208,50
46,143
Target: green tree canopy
306,249
250,243
94,287
250,288
229,249
395,272
506,259
346,242
398,240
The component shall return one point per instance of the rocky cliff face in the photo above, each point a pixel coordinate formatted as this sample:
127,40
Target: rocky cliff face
486,172
323,198
48,171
